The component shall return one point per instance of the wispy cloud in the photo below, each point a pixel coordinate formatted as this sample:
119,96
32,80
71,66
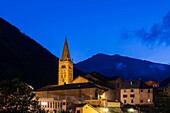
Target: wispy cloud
158,34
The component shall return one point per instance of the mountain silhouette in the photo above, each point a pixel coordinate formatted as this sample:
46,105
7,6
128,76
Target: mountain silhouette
23,58
125,67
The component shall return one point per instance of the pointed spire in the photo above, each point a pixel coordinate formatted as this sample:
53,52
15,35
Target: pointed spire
66,53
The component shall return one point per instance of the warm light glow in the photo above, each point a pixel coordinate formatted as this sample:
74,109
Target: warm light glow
105,109
149,100
43,103
131,110
103,96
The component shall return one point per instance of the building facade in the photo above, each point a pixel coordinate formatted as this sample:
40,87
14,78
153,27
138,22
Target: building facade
90,88
134,92
53,105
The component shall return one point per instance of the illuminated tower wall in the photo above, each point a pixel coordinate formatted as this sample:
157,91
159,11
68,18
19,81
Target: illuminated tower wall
65,71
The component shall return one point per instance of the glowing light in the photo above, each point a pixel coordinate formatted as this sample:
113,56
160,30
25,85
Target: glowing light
149,100
102,96
105,109
131,110
43,103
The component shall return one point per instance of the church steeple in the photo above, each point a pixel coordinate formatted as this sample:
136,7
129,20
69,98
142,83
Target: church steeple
66,53
65,68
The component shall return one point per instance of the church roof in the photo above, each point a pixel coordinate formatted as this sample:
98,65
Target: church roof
66,53
98,79
71,86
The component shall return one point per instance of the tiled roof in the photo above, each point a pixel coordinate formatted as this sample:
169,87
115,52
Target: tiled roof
134,84
144,85
131,84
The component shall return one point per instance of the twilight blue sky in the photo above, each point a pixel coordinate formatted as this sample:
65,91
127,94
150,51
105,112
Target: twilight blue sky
93,26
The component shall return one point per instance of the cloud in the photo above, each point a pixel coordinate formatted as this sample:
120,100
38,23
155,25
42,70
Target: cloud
159,34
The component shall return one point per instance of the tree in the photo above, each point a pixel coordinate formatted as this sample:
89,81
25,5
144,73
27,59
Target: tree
16,96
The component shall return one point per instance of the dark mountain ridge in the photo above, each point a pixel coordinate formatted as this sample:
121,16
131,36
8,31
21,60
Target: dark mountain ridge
125,67
23,58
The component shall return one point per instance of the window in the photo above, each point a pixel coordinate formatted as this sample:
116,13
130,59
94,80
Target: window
124,101
141,90
131,90
117,85
149,91
78,111
58,105
132,95
141,101
64,103
50,104
124,96
63,66
55,104
131,101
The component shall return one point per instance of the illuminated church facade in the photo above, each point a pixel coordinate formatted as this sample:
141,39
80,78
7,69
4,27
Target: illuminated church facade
85,93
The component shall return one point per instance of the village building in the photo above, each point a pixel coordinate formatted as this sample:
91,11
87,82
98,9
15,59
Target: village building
135,92
162,94
90,90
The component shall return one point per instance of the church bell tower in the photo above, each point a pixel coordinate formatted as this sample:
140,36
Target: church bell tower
65,68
